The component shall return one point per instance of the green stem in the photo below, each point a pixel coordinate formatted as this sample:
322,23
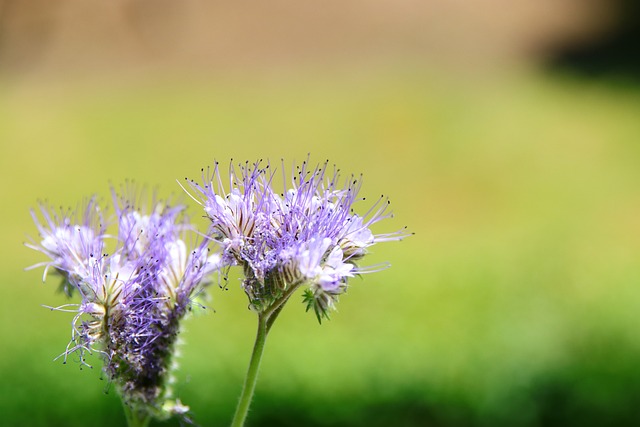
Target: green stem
135,418
272,312
265,322
252,374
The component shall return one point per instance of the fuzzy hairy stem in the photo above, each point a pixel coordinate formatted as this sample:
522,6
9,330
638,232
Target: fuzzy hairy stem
252,374
135,418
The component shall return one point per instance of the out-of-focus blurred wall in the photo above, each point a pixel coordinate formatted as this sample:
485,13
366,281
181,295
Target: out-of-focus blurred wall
46,35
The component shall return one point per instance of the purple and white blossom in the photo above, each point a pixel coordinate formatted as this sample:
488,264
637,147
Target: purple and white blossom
133,298
69,239
307,234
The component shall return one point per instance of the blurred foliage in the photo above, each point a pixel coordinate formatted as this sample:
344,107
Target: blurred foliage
615,53
514,304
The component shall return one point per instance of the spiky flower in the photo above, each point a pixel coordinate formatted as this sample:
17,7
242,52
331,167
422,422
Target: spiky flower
307,234
133,298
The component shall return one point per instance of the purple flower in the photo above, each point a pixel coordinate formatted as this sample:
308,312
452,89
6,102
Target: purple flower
306,235
69,239
133,299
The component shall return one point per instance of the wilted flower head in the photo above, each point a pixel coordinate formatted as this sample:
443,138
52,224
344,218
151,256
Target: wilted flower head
306,234
134,297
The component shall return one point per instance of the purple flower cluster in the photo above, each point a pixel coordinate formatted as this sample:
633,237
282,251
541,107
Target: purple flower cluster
307,234
133,298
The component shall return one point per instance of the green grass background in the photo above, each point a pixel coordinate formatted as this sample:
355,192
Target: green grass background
515,304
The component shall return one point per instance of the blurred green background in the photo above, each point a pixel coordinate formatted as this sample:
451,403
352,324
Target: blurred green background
516,302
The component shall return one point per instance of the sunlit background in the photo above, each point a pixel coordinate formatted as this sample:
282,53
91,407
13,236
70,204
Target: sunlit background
507,135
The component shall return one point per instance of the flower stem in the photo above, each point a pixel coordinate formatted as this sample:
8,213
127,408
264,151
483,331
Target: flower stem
271,314
252,374
135,418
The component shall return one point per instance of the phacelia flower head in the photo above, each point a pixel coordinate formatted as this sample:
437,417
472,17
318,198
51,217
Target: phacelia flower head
69,239
133,297
308,234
